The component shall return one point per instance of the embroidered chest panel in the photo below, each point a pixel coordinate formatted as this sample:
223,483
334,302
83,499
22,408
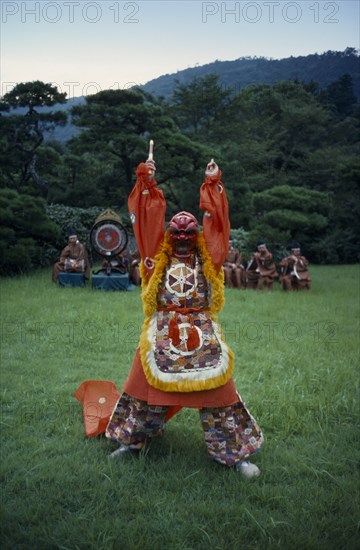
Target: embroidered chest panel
184,285
177,364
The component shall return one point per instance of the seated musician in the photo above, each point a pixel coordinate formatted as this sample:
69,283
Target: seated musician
261,269
73,258
135,259
118,263
234,268
294,270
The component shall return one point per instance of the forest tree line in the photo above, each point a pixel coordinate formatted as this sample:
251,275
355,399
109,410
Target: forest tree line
289,154
324,68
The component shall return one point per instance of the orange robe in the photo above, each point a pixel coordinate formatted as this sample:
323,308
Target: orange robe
74,251
147,208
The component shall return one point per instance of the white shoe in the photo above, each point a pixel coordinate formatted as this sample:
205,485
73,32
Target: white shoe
247,469
120,451
123,449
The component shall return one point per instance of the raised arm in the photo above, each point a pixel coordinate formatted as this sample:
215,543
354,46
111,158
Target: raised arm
216,222
147,207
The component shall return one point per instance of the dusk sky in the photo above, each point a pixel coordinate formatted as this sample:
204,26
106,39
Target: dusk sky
84,47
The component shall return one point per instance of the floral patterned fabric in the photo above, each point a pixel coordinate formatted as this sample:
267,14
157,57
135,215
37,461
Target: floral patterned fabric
231,433
134,422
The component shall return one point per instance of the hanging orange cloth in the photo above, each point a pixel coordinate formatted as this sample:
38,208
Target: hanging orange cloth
193,336
99,398
174,332
147,208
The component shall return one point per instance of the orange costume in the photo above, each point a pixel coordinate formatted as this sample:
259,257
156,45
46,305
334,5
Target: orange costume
234,268
261,270
73,259
294,270
147,211
182,359
135,276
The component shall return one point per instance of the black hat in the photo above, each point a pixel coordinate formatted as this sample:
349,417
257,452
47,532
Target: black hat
295,244
261,242
71,232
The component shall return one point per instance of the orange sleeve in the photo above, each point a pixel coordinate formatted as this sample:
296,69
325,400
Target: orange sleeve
216,222
147,207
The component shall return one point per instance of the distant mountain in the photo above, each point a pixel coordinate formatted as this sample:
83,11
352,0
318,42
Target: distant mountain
235,75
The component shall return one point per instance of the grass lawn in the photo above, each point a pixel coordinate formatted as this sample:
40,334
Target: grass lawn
297,358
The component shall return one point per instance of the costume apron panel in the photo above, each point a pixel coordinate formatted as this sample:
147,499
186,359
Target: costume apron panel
184,299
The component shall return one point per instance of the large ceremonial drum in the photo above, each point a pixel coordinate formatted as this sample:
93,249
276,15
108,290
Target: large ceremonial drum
108,237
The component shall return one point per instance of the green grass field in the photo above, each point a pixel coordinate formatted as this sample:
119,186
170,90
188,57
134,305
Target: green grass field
297,358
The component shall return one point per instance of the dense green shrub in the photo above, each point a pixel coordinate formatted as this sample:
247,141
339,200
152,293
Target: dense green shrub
80,219
240,238
27,235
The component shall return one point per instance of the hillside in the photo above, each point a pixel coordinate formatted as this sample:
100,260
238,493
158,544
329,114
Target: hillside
237,74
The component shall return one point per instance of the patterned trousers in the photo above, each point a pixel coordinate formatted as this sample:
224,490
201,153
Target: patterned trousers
231,433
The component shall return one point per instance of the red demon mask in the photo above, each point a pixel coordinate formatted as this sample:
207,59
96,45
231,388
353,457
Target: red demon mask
183,231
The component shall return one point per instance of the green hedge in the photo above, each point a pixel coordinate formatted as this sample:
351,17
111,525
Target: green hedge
27,234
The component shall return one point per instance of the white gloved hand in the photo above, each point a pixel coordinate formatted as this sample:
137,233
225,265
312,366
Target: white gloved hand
212,169
152,168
